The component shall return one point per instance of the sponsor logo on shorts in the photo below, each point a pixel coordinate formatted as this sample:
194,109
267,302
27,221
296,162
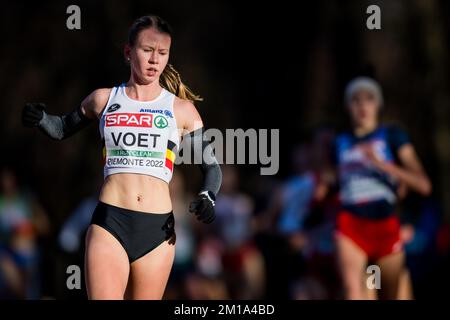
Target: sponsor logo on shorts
113,107
129,120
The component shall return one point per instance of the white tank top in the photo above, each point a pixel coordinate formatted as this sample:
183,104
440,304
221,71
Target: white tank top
139,136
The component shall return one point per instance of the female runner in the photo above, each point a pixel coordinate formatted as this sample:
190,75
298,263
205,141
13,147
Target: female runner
130,242
373,161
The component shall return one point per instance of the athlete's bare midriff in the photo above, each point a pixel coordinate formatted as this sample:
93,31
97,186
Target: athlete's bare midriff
136,192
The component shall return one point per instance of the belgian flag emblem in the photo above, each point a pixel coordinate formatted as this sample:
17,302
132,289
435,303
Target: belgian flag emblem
103,152
170,154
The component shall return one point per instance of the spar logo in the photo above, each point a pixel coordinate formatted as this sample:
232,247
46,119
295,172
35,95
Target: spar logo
129,120
161,122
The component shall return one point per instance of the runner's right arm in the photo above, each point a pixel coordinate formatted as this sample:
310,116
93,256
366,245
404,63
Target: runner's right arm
62,127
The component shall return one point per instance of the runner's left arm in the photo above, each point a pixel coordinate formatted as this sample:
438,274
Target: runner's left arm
203,206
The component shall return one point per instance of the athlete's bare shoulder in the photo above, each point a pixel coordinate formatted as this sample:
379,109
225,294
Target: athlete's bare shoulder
94,103
187,115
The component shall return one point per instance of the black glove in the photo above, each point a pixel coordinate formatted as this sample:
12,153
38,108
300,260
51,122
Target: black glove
32,114
203,207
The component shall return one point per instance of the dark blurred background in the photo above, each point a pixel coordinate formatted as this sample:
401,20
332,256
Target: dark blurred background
257,65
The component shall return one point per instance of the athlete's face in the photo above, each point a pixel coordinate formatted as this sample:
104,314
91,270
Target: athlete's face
364,108
149,56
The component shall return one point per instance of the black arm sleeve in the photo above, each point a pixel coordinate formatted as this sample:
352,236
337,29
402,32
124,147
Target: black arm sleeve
204,156
62,127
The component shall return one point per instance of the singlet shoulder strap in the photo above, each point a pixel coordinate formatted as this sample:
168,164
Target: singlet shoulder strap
114,91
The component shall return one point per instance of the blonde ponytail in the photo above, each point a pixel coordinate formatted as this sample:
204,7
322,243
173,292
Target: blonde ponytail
171,81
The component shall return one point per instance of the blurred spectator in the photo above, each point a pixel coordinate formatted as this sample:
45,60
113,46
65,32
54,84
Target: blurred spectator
185,245
208,281
22,221
420,230
296,196
321,280
71,236
287,215
71,241
197,271
243,263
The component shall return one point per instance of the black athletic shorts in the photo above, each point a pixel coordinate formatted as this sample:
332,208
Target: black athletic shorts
138,232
